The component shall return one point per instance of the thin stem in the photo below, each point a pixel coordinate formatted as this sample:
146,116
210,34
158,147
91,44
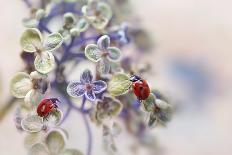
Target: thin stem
90,140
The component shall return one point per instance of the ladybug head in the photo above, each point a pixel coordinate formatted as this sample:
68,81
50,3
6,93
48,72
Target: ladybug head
54,100
135,78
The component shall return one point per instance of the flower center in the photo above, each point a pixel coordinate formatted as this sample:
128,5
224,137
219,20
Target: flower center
88,86
104,54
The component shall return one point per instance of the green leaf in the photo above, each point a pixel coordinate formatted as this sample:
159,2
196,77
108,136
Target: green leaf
92,52
44,62
119,84
20,85
53,42
149,103
31,40
32,123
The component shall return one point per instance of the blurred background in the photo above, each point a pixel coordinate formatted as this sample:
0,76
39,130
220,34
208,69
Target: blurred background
191,62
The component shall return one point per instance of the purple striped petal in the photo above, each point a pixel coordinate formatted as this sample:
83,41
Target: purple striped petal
76,89
99,86
90,95
86,77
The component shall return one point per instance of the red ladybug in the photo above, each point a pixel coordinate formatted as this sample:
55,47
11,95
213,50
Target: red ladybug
140,87
46,106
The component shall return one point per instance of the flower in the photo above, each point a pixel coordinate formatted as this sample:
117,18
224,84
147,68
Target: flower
103,54
107,107
160,111
32,41
86,86
34,19
33,123
73,26
53,144
97,13
30,87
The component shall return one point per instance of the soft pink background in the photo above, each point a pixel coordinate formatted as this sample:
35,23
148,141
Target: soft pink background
195,31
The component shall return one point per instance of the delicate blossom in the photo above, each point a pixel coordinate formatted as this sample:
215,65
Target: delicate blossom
160,111
97,13
53,144
30,87
34,19
107,107
103,54
32,41
86,86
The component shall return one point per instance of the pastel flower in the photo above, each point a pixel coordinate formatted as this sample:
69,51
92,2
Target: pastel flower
97,13
103,54
107,107
30,87
53,144
32,41
34,19
160,111
86,86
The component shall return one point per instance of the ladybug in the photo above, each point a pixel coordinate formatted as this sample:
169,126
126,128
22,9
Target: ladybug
47,106
140,87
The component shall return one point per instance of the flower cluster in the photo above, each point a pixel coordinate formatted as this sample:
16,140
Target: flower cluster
89,31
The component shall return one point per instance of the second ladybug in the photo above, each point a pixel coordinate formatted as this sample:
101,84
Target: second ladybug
47,106
140,87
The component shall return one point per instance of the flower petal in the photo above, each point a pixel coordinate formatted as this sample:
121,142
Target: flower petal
55,141
30,23
103,66
33,98
148,104
119,84
38,149
20,85
103,42
86,76
82,25
53,42
99,86
54,118
114,53
45,62
32,123
92,52
76,89
32,139
90,95
71,152
31,40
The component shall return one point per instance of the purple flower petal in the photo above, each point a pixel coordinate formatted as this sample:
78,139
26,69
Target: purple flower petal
90,95
76,89
86,77
99,86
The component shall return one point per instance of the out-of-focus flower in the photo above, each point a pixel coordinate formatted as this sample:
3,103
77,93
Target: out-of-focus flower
97,13
33,20
102,54
30,87
53,144
32,41
73,26
108,107
160,111
109,133
86,86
